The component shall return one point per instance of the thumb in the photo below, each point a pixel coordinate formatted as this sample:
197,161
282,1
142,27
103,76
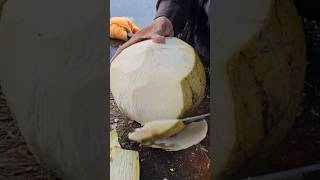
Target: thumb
158,39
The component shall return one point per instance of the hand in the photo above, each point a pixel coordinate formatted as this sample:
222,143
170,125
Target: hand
157,30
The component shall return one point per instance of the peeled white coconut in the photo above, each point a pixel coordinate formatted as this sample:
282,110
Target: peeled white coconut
259,65
152,82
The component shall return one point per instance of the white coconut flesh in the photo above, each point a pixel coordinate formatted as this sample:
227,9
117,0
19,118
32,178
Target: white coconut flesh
155,130
124,164
153,82
258,65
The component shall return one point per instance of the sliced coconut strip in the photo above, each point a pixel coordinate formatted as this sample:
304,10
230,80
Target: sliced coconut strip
156,130
124,164
191,135
114,139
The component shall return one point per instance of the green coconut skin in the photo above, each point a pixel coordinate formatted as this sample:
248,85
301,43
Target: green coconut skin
267,78
194,88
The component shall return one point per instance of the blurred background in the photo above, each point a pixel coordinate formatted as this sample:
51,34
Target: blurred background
140,11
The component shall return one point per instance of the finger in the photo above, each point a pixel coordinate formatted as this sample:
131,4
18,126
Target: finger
136,39
133,40
158,39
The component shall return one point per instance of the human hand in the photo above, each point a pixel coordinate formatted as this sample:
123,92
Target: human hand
157,30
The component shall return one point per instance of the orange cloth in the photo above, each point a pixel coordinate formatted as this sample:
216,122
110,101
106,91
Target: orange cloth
120,27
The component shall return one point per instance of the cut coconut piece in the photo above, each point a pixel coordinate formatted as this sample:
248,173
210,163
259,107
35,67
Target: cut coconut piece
156,130
259,65
114,142
151,81
124,164
191,135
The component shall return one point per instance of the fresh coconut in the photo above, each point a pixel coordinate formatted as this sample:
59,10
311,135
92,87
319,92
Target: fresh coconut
259,64
153,82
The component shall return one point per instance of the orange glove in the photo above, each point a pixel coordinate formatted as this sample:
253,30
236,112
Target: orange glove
120,27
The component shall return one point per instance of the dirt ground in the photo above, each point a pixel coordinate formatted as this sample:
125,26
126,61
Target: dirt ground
301,147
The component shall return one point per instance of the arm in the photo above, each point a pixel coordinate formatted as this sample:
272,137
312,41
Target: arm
170,17
177,11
